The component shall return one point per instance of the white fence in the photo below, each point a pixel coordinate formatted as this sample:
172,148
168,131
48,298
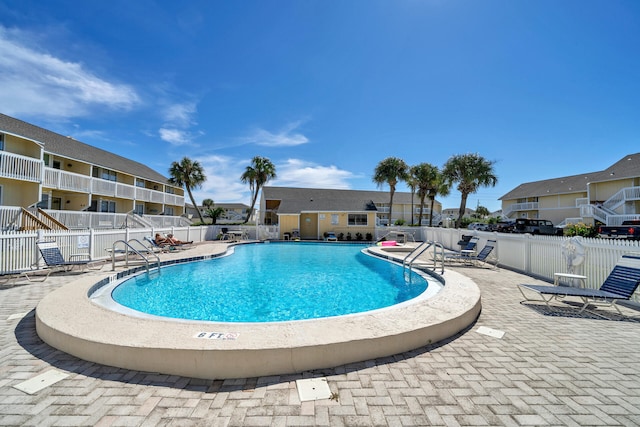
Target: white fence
541,256
18,251
537,256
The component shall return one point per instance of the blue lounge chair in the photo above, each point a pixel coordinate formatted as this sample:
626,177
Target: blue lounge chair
620,285
469,257
55,261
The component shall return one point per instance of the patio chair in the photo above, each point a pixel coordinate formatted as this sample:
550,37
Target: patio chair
620,285
330,236
55,261
467,256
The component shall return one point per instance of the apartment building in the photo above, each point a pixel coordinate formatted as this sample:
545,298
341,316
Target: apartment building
51,171
609,196
312,211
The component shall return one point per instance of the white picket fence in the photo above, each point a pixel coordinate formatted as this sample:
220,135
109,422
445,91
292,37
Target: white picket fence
542,256
537,256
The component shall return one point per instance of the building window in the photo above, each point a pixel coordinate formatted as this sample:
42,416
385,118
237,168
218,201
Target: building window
105,174
44,202
168,211
335,219
170,190
357,219
107,206
1,141
139,209
140,183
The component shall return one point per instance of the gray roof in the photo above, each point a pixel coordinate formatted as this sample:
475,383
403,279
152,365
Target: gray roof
296,200
68,147
627,167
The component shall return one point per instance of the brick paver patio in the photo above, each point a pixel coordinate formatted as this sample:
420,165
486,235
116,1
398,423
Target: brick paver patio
556,370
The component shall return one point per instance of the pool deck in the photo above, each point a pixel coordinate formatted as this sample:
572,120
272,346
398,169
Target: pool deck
549,368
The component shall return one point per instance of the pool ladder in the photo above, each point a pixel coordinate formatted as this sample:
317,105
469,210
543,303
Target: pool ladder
143,252
412,259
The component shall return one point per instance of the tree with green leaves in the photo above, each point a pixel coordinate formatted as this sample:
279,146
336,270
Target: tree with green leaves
390,171
188,174
257,174
212,211
429,183
470,172
411,183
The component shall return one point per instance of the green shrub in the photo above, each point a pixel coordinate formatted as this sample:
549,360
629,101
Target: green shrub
581,229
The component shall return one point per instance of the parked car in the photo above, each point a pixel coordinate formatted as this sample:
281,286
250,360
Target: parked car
480,226
536,226
503,226
629,229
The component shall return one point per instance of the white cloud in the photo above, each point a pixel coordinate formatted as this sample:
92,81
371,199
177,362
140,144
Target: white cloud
34,82
300,173
223,180
287,137
175,136
180,115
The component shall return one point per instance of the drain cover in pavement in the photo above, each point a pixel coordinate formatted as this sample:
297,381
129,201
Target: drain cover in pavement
37,383
313,389
491,332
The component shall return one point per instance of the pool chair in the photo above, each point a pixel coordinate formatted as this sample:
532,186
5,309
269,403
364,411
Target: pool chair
485,256
165,247
55,261
330,236
468,247
620,285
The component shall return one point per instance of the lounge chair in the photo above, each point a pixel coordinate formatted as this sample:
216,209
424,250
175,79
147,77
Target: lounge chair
467,256
55,261
155,247
330,236
620,285
468,247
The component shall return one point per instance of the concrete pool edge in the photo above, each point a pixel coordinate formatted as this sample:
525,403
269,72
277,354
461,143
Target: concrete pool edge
67,320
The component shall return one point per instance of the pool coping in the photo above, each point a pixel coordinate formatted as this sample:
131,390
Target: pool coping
217,350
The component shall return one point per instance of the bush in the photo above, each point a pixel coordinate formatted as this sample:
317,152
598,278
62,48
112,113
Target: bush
399,222
581,229
369,236
358,236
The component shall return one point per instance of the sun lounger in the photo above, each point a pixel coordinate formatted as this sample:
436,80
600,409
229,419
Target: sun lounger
469,256
55,261
620,285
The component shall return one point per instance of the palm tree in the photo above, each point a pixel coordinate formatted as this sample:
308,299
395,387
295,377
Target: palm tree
470,171
411,183
390,171
189,174
211,211
257,175
429,183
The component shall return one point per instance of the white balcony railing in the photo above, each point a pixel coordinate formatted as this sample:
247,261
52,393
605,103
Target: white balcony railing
55,178
62,180
15,166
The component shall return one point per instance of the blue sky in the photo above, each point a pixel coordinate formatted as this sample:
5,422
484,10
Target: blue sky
327,89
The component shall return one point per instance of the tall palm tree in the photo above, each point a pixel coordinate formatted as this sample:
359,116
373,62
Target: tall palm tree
257,174
411,183
429,183
190,174
470,171
390,171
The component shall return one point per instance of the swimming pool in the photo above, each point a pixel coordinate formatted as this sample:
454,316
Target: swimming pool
71,319
273,282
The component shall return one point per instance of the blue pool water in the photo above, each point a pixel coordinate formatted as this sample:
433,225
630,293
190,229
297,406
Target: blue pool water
272,282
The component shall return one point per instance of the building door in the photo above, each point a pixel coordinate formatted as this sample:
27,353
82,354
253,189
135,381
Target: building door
309,226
